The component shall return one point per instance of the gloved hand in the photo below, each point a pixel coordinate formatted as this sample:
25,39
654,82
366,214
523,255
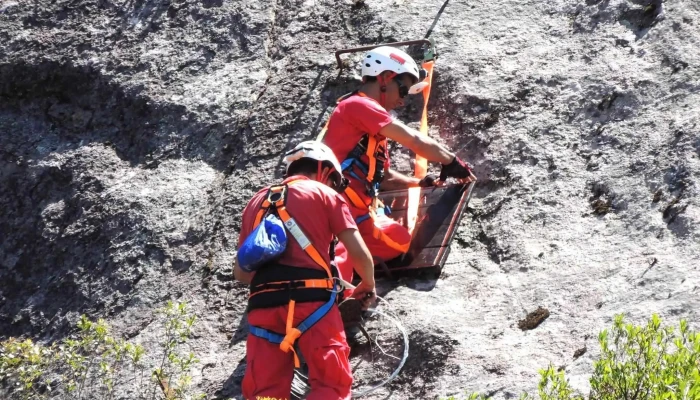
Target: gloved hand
428,181
456,169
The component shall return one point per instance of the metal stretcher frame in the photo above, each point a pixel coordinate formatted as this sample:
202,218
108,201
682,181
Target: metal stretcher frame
440,212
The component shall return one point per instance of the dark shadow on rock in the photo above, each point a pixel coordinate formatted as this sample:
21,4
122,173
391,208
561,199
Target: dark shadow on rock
241,332
419,280
212,3
58,253
640,20
232,386
82,106
428,361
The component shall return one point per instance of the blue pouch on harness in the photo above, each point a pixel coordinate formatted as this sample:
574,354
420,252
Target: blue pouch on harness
267,242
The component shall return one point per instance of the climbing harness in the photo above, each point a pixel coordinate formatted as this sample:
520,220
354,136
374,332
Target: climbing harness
365,163
272,291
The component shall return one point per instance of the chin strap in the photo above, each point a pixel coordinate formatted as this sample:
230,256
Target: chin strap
382,87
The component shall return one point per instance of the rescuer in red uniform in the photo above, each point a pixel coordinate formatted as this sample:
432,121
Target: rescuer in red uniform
294,298
358,131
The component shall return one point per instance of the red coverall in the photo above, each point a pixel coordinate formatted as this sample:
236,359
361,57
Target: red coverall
354,117
321,213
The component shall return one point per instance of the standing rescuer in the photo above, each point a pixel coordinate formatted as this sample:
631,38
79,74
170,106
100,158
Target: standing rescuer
293,299
357,132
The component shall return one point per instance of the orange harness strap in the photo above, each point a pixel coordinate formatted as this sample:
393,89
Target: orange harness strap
291,335
421,162
387,240
355,198
276,197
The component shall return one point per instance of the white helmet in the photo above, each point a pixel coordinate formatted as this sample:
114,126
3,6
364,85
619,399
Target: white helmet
387,58
313,150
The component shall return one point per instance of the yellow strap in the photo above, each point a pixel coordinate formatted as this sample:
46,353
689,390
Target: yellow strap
421,162
322,134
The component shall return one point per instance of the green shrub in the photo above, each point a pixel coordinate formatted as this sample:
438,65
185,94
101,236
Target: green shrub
93,359
636,363
23,363
647,362
173,373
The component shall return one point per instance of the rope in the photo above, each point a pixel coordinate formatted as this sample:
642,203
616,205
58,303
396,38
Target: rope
399,326
437,17
300,388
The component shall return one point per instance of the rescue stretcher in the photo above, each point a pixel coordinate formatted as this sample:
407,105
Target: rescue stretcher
439,213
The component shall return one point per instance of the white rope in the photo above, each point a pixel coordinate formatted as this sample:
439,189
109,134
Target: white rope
399,326
300,388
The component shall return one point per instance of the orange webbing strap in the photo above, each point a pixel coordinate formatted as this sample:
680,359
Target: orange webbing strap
292,334
305,284
371,150
355,198
259,215
371,153
290,224
305,244
387,240
421,162
281,189
261,212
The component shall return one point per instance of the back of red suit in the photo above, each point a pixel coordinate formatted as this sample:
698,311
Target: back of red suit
321,213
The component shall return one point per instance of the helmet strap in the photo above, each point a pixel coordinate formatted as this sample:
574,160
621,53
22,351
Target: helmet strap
382,87
319,177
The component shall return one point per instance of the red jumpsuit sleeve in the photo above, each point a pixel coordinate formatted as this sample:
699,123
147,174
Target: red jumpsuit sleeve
339,216
367,115
246,224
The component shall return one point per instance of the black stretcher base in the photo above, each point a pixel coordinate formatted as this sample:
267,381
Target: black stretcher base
439,214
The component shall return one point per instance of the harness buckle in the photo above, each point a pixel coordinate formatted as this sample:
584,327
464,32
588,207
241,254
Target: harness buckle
277,194
340,285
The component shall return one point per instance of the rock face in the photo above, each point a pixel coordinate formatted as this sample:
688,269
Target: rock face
132,133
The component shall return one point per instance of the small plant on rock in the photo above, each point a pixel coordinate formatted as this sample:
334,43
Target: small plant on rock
647,362
553,386
23,363
92,364
173,373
